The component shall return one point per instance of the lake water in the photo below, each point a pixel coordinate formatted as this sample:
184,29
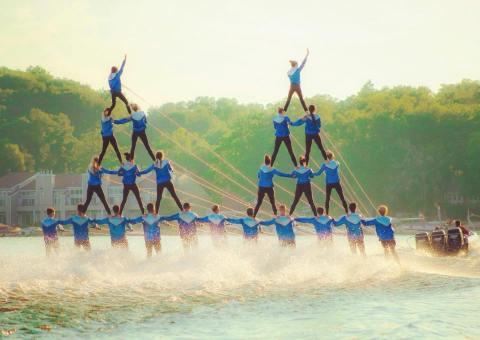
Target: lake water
238,292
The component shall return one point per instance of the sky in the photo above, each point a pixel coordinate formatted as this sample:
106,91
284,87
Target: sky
179,50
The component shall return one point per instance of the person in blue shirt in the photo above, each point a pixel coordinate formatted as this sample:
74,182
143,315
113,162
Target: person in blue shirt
282,135
95,173
80,223
129,171
250,226
115,84
312,124
106,130
294,76
187,222
139,126
265,184
332,180
353,222
117,225
384,230
50,225
284,226
163,172
216,220
303,176
151,229
322,224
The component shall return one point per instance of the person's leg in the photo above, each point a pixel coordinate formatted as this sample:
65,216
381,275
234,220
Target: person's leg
113,142
288,144
339,189
101,196
298,89
126,190
136,192
87,246
309,195
361,246
271,197
134,143
149,246
160,188
353,247
318,141
308,147
386,250
124,99
278,141
298,194
114,101
144,138
328,192
105,141
157,245
260,195
173,193
90,191
289,97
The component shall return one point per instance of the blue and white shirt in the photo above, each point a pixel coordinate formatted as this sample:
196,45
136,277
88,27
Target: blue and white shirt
294,73
265,176
302,174
283,226
186,222
80,226
331,172
322,224
163,171
114,79
151,226
383,227
138,119
117,226
216,221
312,127
249,224
353,223
49,227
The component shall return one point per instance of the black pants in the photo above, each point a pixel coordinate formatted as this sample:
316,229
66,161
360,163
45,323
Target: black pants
97,189
295,88
338,188
307,190
122,98
109,140
288,144
308,146
169,186
262,191
126,190
143,137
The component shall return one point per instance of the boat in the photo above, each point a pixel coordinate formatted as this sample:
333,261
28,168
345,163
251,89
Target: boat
439,242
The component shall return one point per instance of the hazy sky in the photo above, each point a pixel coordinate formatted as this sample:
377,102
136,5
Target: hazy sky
178,50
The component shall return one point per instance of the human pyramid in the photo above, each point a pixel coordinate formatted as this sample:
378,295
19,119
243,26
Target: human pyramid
284,222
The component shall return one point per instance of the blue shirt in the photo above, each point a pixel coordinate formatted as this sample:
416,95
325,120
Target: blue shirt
186,222
49,227
280,124
95,178
283,226
151,226
312,127
294,73
163,171
383,227
353,223
322,224
250,226
265,176
216,221
116,226
114,80
302,175
80,226
138,119
129,172
331,172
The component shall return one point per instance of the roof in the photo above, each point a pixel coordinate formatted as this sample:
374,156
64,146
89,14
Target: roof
11,179
63,181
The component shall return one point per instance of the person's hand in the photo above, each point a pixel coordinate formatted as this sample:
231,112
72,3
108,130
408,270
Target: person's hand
308,52
126,56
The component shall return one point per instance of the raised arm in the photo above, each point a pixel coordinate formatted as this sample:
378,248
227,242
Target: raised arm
122,120
304,60
123,65
305,219
320,171
298,122
268,222
146,171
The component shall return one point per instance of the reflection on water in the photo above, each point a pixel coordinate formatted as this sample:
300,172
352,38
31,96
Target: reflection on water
239,291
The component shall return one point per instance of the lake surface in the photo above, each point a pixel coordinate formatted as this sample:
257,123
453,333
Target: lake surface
241,292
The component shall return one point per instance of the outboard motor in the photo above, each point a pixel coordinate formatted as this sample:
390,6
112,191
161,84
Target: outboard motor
455,240
422,242
439,241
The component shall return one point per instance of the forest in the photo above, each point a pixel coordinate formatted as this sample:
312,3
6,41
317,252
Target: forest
409,147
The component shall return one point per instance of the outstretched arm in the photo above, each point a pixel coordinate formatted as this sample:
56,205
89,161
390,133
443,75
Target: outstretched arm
368,221
204,219
135,220
304,60
101,220
268,222
234,220
281,174
123,65
298,122
340,222
122,120
173,217
110,172
320,171
147,170
305,219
